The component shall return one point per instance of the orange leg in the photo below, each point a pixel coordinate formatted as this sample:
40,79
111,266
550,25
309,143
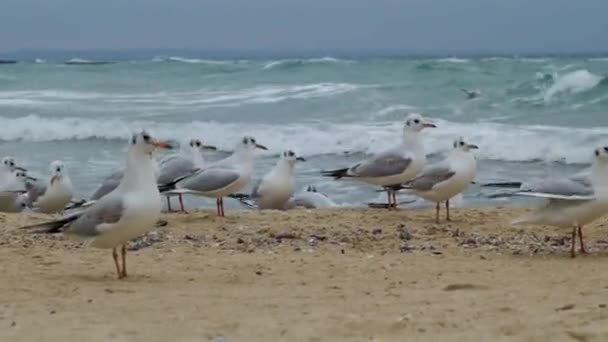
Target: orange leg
437,208
580,237
217,203
168,204
572,251
394,200
389,204
181,202
222,205
115,256
447,210
124,261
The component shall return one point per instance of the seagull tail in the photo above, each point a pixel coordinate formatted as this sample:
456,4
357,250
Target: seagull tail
337,174
245,200
51,227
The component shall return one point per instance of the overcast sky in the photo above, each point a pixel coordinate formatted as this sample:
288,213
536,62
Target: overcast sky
288,25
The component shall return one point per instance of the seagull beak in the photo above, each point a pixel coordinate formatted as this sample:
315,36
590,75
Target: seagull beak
472,146
429,125
301,159
209,147
261,147
55,178
19,168
162,144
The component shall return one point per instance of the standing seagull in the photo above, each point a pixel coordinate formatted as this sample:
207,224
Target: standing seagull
447,178
570,202
221,178
274,190
125,213
12,191
188,160
53,196
392,167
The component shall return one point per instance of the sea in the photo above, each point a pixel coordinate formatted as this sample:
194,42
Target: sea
535,118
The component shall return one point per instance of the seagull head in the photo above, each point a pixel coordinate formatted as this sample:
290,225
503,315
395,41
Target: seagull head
460,144
601,154
311,188
8,164
416,123
57,169
249,144
22,177
144,143
290,157
197,145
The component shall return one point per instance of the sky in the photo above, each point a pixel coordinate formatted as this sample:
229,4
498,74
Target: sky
403,26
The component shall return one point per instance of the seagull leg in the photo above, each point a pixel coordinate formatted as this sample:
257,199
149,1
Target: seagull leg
168,204
572,252
124,261
115,256
181,203
437,208
394,199
580,237
388,199
222,205
447,210
217,204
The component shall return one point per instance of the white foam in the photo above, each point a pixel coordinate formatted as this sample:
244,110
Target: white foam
497,141
288,62
453,60
573,82
196,60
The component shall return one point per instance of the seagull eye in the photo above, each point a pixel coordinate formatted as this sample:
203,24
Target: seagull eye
462,143
198,144
12,163
146,137
606,149
416,121
597,153
58,169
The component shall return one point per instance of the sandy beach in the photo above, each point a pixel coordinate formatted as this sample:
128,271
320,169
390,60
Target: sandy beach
324,275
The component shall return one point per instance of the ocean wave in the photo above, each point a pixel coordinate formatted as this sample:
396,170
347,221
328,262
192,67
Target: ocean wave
291,63
202,98
195,60
573,82
515,143
452,60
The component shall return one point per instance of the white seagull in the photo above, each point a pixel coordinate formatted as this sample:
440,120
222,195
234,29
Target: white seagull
394,166
52,196
125,213
571,202
447,178
7,168
277,186
222,178
187,161
310,198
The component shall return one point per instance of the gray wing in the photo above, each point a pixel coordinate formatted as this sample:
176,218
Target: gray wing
34,191
562,187
108,185
175,168
107,210
210,180
382,165
431,176
255,191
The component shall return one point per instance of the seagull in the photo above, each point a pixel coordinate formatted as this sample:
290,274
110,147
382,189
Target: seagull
310,198
7,168
447,178
277,186
471,94
571,202
12,190
53,196
127,212
188,160
395,166
221,178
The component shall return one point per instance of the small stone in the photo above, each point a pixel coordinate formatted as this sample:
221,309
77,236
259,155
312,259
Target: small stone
239,240
377,231
258,273
52,312
437,252
89,301
565,307
482,257
342,251
602,306
13,324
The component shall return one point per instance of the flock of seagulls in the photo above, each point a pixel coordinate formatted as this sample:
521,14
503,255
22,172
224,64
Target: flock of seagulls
128,202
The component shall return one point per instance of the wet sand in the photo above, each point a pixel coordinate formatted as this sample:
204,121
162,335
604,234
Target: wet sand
326,275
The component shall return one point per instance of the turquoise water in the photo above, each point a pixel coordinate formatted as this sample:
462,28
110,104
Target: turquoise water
535,117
